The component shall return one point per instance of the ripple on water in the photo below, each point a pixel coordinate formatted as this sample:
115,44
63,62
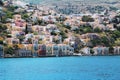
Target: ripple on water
66,68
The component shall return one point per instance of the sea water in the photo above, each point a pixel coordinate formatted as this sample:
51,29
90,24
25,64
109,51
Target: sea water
61,68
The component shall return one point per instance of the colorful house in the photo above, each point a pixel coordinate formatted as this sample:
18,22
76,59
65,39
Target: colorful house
35,50
42,50
26,51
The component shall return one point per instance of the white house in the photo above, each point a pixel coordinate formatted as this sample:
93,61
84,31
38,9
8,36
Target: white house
25,53
101,50
116,50
86,50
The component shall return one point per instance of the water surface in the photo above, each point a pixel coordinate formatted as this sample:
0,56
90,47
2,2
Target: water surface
64,68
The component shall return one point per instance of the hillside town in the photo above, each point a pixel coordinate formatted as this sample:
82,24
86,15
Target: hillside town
28,30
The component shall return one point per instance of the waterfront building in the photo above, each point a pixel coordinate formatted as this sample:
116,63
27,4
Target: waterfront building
97,51
116,50
42,50
71,50
62,49
59,49
86,50
35,48
56,50
49,49
101,50
105,50
25,53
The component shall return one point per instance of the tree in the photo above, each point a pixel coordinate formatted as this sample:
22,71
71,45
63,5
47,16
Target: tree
96,42
3,31
67,26
2,14
26,29
87,30
91,51
77,31
111,50
115,34
25,16
21,38
116,20
2,27
40,22
77,45
63,35
1,41
9,14
35,33
66,31
117,42
9,50
87,19
1,3
15,46
30,40
56,40
84,29
97,30
53,33
105,41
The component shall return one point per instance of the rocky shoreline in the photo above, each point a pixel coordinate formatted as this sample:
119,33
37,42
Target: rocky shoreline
51,56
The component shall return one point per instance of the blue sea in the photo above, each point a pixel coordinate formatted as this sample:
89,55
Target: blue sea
61,68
